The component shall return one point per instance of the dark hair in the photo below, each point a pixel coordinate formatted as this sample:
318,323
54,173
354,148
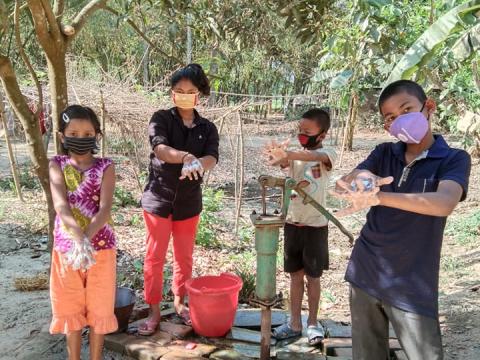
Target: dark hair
400,86
79,112
195,74
320,116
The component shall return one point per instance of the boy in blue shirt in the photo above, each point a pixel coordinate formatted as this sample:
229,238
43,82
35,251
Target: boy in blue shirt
394,267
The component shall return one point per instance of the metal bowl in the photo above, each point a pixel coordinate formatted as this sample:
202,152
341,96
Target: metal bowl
124,303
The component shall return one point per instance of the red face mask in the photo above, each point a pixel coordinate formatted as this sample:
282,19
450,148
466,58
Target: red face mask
308,141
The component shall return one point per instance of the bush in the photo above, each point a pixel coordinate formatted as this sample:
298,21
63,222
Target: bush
245,269
28,181
123,198
248,276
465,229
212,203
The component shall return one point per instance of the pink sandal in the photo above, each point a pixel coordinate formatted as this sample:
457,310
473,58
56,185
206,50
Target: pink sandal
148,327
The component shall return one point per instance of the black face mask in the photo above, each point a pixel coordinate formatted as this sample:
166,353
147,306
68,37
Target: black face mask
80,146
308,142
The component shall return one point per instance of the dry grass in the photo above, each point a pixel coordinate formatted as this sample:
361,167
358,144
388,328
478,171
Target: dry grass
32,283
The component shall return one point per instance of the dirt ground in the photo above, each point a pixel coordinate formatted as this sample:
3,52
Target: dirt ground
25,316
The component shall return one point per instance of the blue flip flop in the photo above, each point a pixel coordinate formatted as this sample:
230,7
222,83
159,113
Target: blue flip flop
285,331
315,335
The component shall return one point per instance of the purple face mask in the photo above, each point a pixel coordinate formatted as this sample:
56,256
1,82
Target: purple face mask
410,128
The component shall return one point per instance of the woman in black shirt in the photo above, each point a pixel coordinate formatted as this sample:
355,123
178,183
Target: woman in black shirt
184,145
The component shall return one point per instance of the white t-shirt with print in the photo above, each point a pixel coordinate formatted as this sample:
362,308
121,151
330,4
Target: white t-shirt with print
317,175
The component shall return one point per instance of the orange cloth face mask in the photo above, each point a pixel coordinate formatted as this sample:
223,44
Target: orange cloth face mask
185,101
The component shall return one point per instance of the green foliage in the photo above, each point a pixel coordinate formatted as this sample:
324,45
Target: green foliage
28,181
245,269
465,229
123,198
467,44
248,277
424,48
246,234
136,220
459,93
167,281
328,296
121,146
451,263
132,276
2,211
212,203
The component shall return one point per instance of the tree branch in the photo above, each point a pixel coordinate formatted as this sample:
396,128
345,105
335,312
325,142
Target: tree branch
13,92
59,8
52,21
41,28
476,76
24,56
142,35
3,19
84,14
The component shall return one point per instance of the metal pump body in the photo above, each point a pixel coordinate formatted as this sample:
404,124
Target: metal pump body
267,230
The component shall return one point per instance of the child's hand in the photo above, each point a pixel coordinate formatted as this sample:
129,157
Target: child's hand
360,192
361,181
76,233
276,153
81,255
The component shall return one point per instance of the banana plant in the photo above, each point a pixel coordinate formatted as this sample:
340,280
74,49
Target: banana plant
467,44
447,26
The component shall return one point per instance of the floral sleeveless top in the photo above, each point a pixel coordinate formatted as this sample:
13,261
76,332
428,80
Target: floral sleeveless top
83,194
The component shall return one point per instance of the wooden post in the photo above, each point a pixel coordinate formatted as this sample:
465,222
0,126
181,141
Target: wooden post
13,164
102,123
240,163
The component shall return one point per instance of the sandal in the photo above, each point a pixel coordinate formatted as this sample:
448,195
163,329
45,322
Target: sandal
285,331
148,327
184,315
315,334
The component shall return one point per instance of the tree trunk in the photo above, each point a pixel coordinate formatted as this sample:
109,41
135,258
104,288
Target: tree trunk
432,12
33,135
352,120
146,65
213,71
11,157
57,76
476,75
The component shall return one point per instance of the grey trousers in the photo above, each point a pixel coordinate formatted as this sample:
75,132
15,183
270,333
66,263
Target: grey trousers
418,335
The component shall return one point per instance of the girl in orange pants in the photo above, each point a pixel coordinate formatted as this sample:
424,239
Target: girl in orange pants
82,278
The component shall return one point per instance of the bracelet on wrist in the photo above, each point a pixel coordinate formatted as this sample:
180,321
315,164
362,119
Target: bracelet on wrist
184,156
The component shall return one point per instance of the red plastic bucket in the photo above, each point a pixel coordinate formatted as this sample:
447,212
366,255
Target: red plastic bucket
213,303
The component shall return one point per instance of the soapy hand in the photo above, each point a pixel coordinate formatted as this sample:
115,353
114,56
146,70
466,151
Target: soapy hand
192,170
81,255
276,152
361,192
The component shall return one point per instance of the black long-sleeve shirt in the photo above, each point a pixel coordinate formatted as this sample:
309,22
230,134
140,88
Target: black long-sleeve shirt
165,194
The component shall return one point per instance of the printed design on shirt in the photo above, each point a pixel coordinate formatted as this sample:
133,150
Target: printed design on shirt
316,171
311,179
72,176
80,219
83,194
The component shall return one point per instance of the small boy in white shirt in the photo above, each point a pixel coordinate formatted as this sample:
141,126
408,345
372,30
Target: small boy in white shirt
306,230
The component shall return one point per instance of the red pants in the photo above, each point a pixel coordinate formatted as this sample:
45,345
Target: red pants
159,231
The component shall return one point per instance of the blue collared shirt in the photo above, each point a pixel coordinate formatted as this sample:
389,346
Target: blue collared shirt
397,255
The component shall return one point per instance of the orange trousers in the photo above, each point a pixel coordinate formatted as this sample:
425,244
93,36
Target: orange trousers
84,298
159,231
